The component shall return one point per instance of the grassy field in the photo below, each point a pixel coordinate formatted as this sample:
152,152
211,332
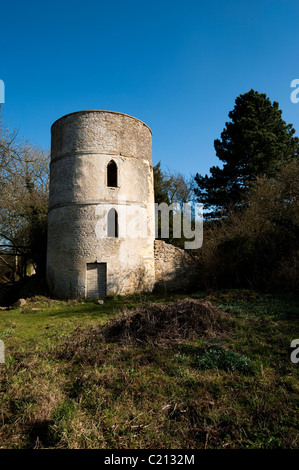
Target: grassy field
236,389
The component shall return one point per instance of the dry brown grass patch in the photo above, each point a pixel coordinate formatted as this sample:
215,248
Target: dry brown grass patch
161,325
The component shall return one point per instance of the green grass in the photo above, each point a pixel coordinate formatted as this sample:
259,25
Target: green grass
145,396
217,357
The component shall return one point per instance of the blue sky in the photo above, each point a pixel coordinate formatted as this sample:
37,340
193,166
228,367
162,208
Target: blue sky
178,66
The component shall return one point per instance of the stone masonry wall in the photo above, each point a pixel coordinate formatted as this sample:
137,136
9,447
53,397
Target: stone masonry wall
175,270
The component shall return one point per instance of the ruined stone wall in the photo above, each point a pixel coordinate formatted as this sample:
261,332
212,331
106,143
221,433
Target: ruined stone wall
82,145
175,270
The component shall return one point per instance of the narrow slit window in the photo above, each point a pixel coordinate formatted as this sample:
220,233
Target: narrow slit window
112,224
112,174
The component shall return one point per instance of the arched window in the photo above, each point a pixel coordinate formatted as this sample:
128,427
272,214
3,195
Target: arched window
112,223
112,174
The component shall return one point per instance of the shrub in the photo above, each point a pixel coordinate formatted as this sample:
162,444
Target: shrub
256,246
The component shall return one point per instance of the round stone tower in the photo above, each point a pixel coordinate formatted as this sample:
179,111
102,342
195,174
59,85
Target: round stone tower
101,209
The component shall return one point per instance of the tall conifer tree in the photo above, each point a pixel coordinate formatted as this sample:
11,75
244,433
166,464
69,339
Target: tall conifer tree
256,141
